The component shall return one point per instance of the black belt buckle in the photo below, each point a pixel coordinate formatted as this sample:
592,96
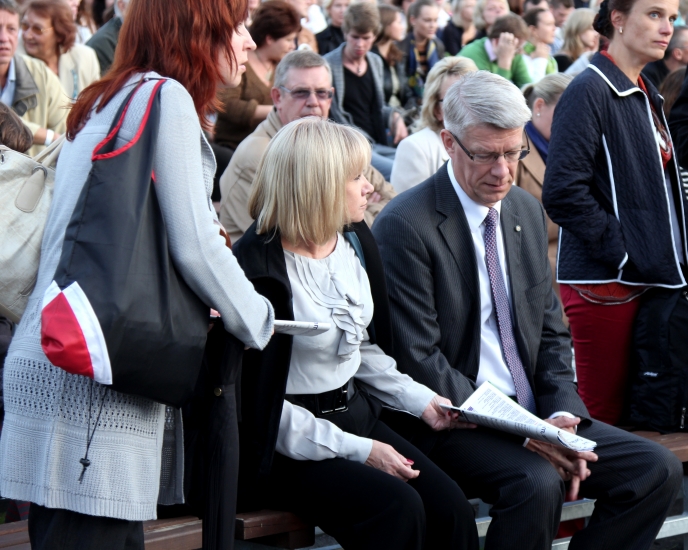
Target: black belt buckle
333,401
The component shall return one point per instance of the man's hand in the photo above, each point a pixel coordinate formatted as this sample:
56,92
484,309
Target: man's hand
507,45
383,457
571,465
442,419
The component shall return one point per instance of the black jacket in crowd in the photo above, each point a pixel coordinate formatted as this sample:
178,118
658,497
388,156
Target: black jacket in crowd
329,39
264,373
678,124
604,184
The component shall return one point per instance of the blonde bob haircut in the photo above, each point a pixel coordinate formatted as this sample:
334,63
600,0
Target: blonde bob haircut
446,67
480,5
300,186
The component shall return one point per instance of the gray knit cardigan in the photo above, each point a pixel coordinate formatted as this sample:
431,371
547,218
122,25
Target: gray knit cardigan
47,410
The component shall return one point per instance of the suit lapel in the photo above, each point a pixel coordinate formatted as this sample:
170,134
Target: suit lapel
455,231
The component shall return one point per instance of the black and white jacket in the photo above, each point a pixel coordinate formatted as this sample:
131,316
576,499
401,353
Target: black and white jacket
605,184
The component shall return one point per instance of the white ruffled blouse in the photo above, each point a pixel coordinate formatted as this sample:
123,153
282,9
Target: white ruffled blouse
336,289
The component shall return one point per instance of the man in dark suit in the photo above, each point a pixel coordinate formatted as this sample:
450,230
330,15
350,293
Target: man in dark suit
465,257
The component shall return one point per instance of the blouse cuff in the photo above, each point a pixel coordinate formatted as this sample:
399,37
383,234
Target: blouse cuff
416,398
355,448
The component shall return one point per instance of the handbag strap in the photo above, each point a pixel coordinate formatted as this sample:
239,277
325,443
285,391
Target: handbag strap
48,156
106,148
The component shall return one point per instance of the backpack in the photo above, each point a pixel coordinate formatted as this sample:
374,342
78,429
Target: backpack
659,386
26,191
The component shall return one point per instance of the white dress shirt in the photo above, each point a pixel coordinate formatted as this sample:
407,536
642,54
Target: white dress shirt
336,289
493,366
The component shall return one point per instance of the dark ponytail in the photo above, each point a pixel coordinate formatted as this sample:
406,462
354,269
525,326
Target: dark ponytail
603,23
603,20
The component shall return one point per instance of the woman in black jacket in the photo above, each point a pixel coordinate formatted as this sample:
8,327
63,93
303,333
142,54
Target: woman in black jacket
612,185
315,398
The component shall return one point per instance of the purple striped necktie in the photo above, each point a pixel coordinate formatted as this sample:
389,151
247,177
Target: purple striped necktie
524,393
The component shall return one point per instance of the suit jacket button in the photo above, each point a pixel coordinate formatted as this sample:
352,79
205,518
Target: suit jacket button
217,392
517,228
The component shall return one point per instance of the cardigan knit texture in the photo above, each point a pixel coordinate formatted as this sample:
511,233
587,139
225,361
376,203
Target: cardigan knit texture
47,409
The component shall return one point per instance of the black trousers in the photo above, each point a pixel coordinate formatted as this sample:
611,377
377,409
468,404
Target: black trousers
635,481
57,529
365,508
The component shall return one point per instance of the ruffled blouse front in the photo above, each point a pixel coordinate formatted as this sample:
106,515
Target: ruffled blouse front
336,290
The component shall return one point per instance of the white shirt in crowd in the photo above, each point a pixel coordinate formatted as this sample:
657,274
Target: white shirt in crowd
418,157
336,289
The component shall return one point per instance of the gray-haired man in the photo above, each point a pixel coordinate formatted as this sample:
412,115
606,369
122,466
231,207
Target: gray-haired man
465,256
303,87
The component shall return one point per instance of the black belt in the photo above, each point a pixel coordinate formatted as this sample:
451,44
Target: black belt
329,402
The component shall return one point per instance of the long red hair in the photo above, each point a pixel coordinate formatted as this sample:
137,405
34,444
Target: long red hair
179,39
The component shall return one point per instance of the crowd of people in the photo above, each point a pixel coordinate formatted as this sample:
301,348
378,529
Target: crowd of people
466,192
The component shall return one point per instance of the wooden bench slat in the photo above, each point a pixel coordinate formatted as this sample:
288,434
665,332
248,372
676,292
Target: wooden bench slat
12,540
188,536
677,443
267,522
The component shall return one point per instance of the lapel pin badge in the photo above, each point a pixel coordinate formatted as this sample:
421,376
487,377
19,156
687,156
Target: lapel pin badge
517,228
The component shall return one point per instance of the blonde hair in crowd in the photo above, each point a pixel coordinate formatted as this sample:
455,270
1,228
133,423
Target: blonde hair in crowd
549,89
445,68
300,186
478,20
578,22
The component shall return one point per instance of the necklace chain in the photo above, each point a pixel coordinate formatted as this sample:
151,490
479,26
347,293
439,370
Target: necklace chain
359,67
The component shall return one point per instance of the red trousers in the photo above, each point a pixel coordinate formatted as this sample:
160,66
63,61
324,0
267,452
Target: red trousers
602,336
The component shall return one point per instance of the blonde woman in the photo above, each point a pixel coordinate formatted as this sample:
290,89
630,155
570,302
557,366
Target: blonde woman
460,29
421,154
486,13
579,38
310,420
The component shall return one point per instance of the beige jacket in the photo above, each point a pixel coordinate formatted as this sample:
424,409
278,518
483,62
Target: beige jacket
78,68
530,174
38,98
235,183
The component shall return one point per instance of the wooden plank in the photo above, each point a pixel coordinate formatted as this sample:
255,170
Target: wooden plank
14,534
263,523
187,535
677,443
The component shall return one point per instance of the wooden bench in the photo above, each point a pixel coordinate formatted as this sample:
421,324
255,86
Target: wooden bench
162,534
273,528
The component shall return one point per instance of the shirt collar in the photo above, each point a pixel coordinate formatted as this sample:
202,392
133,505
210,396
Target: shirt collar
475,212
490,50
12,73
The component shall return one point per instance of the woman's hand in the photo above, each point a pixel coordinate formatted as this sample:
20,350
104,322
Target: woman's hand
383,457
439,418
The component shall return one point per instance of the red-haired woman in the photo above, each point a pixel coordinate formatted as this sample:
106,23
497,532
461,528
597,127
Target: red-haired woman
49,34
136,452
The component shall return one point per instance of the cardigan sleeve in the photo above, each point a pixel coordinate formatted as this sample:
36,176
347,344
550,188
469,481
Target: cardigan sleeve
577,139
197,249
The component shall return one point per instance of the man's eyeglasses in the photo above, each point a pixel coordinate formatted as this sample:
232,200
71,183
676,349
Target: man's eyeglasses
491,158
35,29
303,94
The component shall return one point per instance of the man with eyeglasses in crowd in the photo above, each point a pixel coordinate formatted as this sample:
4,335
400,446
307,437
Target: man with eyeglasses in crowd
27,85
302,87
471,300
